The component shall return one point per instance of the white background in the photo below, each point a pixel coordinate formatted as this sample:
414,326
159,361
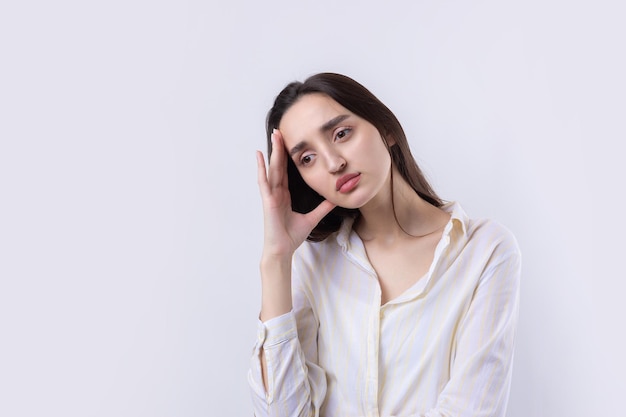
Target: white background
130,226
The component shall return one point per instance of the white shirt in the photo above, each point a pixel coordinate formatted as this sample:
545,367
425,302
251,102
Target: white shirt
442,348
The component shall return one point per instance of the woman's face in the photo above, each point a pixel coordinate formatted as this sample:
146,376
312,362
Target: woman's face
339,155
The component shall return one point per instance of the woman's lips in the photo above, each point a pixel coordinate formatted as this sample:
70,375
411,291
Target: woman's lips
346,183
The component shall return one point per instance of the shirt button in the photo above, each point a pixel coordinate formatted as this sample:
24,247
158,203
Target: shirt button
261,334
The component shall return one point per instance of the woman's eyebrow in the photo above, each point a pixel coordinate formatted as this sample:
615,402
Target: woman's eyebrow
297,148
333,122
329,125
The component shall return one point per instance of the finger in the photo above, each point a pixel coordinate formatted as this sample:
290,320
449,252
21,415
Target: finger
261,173
278,162
280,143
318,213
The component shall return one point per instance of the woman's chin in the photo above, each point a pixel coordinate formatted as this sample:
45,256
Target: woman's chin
350,204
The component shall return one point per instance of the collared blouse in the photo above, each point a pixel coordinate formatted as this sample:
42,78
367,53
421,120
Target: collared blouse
444,347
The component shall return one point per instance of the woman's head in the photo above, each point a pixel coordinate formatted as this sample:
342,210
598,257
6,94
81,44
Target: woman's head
362,103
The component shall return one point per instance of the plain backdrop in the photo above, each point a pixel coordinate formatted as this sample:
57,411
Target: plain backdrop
130,221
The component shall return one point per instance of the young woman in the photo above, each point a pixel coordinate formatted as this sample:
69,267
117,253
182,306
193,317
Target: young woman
377,298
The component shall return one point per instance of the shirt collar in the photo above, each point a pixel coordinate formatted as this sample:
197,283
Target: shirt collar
458,217
343,234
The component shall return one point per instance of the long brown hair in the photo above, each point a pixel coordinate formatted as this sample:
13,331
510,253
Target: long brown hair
360,101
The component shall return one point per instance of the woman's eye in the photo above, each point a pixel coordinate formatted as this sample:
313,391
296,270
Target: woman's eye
306,159
342,133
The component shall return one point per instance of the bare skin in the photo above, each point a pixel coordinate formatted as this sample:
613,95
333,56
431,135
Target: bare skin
399,246
284,231
400,255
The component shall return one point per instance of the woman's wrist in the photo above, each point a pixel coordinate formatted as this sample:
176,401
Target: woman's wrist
275,286
275,260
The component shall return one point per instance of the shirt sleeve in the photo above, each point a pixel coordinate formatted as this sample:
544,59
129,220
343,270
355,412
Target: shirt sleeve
480,375
296,384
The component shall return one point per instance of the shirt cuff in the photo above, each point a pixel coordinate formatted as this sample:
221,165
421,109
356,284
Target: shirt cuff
277,330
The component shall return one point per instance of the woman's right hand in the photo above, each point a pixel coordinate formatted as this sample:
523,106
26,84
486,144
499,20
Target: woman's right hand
284,229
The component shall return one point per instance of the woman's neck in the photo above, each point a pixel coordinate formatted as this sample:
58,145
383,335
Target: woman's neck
408,215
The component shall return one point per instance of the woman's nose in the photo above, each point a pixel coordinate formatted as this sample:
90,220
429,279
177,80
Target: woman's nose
335,163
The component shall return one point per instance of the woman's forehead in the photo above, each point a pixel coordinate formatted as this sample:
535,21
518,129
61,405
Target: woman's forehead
309,114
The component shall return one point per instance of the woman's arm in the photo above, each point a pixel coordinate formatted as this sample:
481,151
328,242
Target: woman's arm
284,232
295,385
275,295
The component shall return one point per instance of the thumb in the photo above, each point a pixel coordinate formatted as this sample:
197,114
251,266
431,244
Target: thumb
318,213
